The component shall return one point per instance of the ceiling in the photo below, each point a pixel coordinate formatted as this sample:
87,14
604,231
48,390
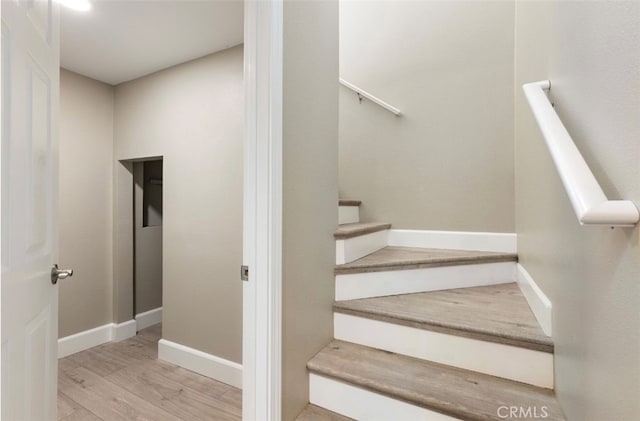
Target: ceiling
117,41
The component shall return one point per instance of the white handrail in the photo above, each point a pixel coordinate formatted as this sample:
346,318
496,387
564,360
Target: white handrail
370,97
589,202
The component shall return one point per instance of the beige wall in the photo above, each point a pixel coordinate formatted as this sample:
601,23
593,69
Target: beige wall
85,210
123,226
447,163
310,185
147,241
191,115
591,53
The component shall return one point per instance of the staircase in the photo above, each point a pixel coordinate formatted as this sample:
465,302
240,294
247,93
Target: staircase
428,334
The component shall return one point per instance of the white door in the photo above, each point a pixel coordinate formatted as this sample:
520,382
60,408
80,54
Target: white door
30,83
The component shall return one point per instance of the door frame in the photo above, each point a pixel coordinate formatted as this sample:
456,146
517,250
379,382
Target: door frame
123,288
262,210
262,233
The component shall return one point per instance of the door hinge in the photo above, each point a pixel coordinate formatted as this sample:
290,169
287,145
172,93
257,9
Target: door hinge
244,273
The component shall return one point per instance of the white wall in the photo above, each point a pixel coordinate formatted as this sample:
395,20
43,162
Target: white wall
191,115
591,53
447,163
85,205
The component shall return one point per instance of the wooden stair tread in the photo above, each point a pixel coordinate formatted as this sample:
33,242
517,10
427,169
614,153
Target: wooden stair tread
455,392
495,313
403,258
347,202
316,413
357,229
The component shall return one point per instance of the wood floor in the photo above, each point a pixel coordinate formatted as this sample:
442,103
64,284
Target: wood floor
125,381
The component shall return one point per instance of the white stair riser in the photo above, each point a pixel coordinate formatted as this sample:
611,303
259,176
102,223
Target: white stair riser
455,240
354,248
395,282
500,360
361,404
348,214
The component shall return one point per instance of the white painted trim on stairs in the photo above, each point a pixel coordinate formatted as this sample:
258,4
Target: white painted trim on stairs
217,368
84,340
348,214
148,318
380,284
97,336
540,305
125,330
500,360
351,249
361,404
454,240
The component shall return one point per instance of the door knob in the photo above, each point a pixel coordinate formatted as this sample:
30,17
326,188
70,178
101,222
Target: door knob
59,274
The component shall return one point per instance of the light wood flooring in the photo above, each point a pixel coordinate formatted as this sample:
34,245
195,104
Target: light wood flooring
125,381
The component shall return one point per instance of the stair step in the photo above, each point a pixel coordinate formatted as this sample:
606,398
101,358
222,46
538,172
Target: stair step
315,413
347,231
487,329
348,212
385,270
346,202
403,258
356,240
495,313
447,390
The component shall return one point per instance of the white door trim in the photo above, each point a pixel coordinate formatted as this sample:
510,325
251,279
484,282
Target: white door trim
262,233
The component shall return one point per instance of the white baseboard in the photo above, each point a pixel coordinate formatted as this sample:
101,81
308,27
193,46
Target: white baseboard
500,360
148,318
84,340
348,214
97,336
379,284
217,368
454,240
125,330
538,301
351,249
361,404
